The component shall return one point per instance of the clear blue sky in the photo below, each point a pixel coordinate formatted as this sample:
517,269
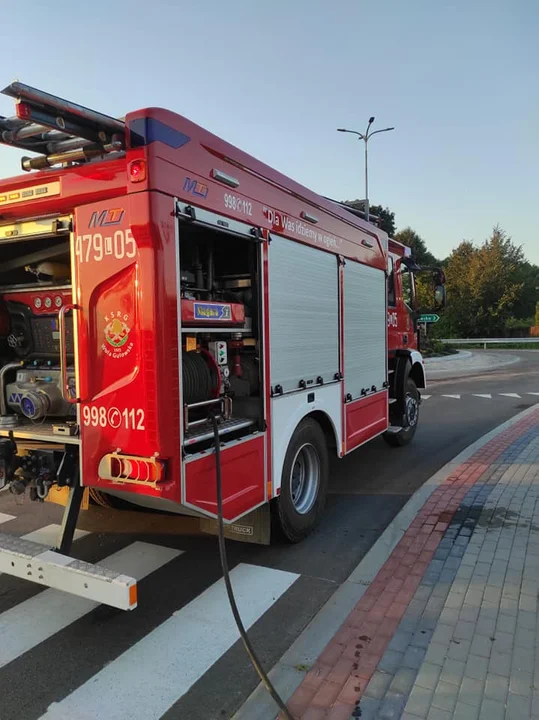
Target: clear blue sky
457,79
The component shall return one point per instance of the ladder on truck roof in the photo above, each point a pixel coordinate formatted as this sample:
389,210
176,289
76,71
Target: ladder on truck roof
58,130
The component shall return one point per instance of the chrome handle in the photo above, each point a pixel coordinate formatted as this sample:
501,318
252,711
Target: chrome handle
63,354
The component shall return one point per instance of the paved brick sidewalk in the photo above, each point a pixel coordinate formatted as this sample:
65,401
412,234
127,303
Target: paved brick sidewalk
448,628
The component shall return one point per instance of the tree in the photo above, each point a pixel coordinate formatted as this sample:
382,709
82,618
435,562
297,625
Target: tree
528,275
483,286
387,218
418,246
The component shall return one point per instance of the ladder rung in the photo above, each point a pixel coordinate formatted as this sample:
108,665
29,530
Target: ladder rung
58,130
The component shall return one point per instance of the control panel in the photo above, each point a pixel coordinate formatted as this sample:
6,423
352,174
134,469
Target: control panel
34,324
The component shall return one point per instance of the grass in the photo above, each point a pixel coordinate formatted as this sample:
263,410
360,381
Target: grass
435,348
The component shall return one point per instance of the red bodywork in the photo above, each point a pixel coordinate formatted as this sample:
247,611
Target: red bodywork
400,324
126,297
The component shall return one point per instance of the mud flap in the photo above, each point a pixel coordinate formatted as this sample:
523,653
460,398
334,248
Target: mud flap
255,527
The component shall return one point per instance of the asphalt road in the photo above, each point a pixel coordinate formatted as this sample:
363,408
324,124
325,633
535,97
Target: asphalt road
177,656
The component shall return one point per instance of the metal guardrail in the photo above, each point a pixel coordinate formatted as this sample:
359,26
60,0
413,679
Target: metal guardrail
490,341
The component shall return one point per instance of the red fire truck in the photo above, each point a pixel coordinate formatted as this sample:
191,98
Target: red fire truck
156,283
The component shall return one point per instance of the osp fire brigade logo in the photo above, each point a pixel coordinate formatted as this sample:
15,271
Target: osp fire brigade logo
117,343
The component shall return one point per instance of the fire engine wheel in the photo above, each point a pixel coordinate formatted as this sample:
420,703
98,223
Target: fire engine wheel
304,482
411,408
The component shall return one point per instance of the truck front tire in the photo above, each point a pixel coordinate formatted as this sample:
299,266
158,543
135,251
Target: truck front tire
411,407
304,482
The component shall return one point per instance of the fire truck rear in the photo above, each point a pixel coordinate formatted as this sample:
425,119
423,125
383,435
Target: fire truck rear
157,283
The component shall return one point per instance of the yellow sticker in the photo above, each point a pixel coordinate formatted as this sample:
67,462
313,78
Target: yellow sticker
190,343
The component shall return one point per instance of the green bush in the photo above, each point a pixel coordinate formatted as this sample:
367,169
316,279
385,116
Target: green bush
432,347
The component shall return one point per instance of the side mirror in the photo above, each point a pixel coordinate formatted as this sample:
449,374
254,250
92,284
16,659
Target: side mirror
440,296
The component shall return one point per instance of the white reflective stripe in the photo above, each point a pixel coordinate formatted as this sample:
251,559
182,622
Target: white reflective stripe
48,535
4,517
146,680
42,616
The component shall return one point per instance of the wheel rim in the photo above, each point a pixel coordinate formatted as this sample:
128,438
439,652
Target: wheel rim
305,479
412,410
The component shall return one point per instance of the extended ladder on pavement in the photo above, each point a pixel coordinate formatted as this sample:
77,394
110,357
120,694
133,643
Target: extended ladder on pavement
58,130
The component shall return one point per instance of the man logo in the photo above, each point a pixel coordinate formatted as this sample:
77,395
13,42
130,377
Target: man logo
114,216
193,187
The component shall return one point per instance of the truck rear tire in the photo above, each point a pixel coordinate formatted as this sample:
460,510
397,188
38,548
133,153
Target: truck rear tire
105,500
411,402
304,482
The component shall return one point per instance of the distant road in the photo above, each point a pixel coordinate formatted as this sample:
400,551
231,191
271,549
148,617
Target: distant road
489,341
473,363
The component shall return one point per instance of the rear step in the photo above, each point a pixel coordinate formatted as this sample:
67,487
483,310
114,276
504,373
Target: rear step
32,561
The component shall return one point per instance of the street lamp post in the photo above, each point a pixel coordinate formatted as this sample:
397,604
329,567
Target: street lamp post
365,137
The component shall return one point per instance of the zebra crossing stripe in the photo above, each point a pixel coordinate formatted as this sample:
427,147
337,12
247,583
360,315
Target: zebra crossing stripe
514,395
455,397
42,616
4,517
48,535
146,680
425,397
485,395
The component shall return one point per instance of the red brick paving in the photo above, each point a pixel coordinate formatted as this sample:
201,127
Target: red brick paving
332,688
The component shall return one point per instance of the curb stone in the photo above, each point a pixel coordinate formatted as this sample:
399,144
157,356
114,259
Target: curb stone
460,355
289,672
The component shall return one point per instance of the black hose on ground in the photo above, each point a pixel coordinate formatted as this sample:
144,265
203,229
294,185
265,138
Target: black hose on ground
226,575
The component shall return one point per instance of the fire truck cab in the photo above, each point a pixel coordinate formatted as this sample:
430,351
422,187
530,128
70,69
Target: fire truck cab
153,278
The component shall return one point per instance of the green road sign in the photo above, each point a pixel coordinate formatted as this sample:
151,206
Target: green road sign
432,318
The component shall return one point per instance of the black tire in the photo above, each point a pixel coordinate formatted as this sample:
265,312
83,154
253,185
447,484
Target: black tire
406,435
293,517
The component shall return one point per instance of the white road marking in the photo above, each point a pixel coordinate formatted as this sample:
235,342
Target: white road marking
425,397
48,535
4,517
146,680
455,397
532,393
42,616
486,395
514,395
